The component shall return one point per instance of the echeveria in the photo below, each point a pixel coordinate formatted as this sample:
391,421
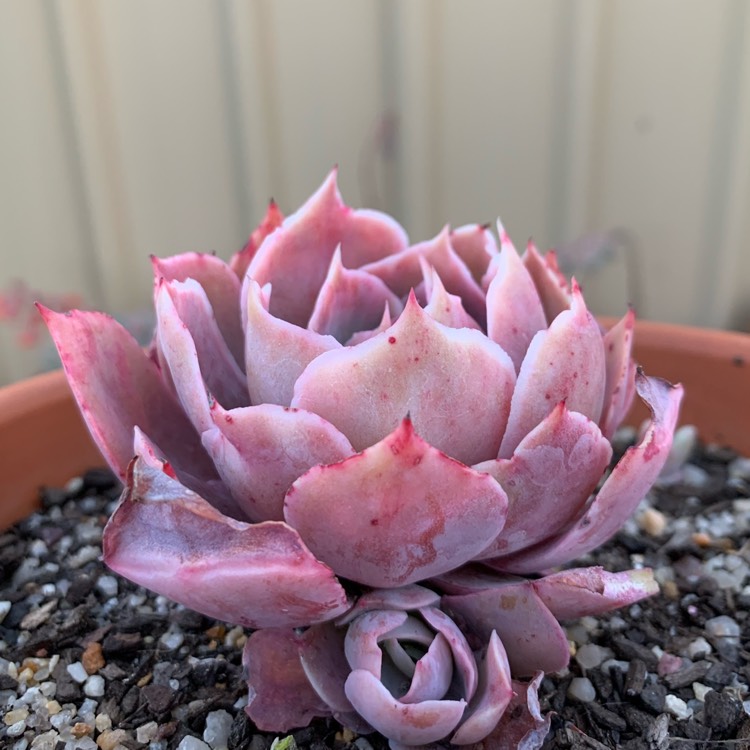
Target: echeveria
337,416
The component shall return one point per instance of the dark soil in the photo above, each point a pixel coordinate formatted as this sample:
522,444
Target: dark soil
664,673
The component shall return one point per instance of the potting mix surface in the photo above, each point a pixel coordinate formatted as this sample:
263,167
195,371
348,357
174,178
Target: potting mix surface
89,660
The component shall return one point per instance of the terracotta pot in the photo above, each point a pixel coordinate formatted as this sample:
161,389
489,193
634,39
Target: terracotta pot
43,441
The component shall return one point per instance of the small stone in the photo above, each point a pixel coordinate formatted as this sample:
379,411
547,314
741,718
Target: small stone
81,729
581,689
722,626
92,658
147,732
590,655
677,707
698,648
53,707
739,468
218,726
102,722
111,738
4,609
700,690
94,686
723,712
668,664
192,743
77,671
16,715
653,522
172,639
17,729
39,615
107,585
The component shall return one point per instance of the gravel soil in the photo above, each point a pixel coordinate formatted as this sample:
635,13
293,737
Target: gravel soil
89,660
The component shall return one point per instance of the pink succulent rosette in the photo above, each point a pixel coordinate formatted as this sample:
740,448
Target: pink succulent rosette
337,416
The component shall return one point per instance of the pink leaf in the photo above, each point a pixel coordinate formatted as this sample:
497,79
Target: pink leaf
167,538
296,257
620,368
271,221
476,247
550,284
455,384
443,307
397,513
563,363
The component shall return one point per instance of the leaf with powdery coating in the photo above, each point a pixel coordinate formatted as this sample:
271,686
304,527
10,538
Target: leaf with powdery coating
548,480
620,368
220,284
623,489
281,698
260,450
271,221
550,284
579,592
563,363
397,513
277,352
454,383
172,541
296,257
476,246
446,308
118,387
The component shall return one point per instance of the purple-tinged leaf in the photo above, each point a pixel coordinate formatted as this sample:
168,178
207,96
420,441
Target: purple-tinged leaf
321,651
296,257
549,479
417,367
620,494
579,592
350,301
364,635
476,246
531,635
271,221
514,309
550,283
407,723
620,368
432,673
492,698
384,325
118,387
563,363
277,352
167,538
404,598
281,697
198,359
260,450
403,272
222,288
407,511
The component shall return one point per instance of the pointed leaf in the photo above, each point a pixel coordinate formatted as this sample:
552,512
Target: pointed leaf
549,479
259,451
563,363
118,387
531,635
409,511
443,307
277,352
514,309
271,221
167,538
222,288
350,301
579,592
418,367
476,246
620,494
550,284
281,698
432,673
296,257
620,369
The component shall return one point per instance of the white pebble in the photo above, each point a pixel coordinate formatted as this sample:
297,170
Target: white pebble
619,664
218,726
84,555
581,689
739,468
591,655
107,585
677,707
103,722
172,639
192,743
77,671
698,648
700,690
723,626
94,686
146,732
17,729
4,609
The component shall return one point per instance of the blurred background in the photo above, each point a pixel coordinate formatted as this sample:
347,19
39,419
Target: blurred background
617,131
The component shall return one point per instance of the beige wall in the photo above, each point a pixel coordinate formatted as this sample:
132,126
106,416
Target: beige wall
132,127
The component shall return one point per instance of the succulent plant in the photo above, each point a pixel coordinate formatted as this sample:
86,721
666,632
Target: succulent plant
382,444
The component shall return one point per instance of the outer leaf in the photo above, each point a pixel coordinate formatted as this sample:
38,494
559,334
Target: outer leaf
563,363
620,494
455,384
296,257
549,479
170,540
281,698
118,387
397,513
620,368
